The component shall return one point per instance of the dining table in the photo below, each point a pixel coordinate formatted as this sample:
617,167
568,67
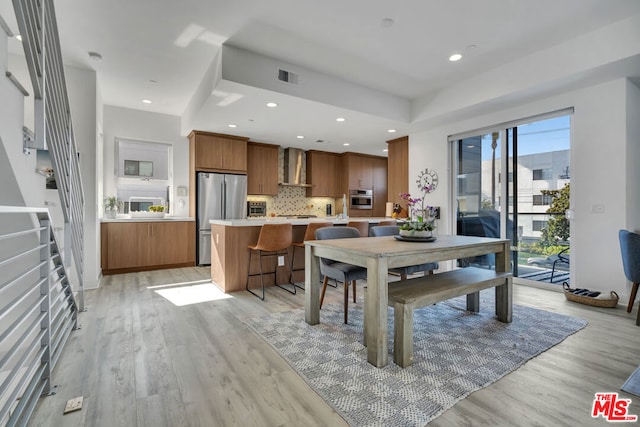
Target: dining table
378,255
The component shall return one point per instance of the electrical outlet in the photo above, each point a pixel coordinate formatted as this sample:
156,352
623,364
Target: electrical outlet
280,261
597,208
73,405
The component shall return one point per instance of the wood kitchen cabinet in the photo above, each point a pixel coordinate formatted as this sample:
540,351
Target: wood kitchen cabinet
362,171
359,170
398,173
324,174
214,152
140,246
262,169
380,196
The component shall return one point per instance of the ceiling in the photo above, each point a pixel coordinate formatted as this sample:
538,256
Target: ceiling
161,50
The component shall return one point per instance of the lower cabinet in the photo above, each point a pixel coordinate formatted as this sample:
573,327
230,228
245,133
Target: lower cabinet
139,246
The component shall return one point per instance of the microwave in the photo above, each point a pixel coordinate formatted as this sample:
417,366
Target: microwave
360,199
256,209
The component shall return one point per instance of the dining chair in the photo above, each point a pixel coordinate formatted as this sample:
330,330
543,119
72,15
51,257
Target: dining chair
361,226
309,234
403,272
340,271
274,241
630,249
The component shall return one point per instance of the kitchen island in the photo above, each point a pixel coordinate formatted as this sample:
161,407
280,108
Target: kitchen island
230,256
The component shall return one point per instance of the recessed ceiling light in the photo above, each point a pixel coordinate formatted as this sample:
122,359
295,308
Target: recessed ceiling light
18,37
385,150
386,23
271,104
455,57
233,126
340,119
147,101
346,144
95,56
300,136
391,131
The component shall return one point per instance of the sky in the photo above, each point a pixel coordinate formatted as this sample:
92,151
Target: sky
538,137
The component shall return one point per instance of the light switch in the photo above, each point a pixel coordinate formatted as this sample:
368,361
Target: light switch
597,208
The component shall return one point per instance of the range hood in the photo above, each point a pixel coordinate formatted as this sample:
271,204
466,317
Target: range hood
293,160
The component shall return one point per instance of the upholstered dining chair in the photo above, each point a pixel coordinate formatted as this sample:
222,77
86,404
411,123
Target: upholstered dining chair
403,272
309,234
361,226
340,271
274,240
630,249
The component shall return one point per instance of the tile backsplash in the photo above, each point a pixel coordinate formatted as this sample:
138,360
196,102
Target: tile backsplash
293,200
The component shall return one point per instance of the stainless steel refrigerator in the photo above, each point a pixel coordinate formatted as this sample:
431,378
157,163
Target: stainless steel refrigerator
220,196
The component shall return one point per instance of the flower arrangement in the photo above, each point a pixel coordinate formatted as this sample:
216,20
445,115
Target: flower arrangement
422,216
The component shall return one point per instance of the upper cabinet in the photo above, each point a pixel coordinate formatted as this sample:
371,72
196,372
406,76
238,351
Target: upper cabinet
323,173
262,169
358,170
217,153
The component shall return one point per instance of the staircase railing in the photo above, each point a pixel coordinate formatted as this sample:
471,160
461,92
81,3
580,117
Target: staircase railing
37,310
52,119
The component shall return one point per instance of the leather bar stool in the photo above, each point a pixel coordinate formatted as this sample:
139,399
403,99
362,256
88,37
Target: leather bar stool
309,234
361,226
274,240
387,222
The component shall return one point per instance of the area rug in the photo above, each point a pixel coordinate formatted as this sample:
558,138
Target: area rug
632,384
455,353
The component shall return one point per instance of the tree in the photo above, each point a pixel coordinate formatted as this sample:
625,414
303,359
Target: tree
557,228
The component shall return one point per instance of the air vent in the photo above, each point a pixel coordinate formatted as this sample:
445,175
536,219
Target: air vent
287,76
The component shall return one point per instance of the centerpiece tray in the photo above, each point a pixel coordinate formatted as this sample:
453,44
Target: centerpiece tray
415,239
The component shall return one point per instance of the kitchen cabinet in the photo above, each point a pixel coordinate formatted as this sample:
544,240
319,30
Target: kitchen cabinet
262,169
214,152
140,246
380,197
362,171
398,173
324,174
359,170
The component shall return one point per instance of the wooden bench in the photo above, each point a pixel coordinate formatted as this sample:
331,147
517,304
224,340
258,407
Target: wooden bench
407,295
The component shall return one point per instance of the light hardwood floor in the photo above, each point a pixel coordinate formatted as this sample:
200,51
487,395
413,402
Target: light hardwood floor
140,360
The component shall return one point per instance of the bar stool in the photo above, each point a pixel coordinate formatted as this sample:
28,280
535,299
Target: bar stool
361,226
388,222
274,240
309,234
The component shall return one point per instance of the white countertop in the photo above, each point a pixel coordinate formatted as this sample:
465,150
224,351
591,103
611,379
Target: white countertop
253,222
126,218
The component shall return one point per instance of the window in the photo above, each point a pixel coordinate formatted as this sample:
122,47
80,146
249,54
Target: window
538,225
541,174
542,200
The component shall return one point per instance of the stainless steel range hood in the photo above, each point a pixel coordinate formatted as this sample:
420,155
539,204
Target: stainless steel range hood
293,161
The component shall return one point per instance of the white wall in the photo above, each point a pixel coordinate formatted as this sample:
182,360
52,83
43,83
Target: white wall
84,102
140,125
599,146
633,158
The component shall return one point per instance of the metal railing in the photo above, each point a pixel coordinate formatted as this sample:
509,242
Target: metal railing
52,118
37,310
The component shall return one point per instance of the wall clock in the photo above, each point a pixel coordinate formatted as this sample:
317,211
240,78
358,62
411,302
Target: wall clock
427,180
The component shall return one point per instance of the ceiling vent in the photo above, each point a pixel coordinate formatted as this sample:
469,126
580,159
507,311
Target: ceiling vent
287,76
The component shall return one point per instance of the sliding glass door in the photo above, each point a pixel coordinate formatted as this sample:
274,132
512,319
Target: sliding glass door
513,182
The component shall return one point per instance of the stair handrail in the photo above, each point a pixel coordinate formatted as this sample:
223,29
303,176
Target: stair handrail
52,119
40,315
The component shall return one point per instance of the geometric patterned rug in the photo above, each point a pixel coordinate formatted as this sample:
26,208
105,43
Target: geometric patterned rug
455,353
